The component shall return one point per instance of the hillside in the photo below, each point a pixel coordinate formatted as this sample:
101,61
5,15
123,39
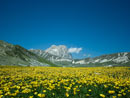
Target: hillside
116,59
56,55
17,55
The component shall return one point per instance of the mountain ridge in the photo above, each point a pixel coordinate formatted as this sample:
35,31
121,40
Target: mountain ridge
56,55
16,55
115,59
58,58
60,51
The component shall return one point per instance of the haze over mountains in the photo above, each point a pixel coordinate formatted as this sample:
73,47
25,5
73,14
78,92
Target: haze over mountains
55,56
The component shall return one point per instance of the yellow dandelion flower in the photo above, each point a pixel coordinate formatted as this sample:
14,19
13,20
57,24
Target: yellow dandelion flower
113,96
124,94
41,95
30,96
89,90
1,92
111,91
35,93
119,95
102,95
87,94
44,91
67,95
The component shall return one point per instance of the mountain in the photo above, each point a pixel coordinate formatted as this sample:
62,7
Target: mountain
60,56
17,55
56,54
45,55
60,51
116,59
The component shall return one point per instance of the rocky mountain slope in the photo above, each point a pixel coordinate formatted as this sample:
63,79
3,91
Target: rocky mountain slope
116,59
59,55
56,54
60,51
17,55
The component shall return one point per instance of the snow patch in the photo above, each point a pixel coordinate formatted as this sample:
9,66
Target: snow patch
120,59
80,62
97,60
68,60
104,60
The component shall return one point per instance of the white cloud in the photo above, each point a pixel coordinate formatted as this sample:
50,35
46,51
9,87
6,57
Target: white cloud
74,50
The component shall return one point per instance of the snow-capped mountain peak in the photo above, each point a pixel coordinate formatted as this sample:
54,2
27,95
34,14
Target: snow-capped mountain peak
60,55
60,51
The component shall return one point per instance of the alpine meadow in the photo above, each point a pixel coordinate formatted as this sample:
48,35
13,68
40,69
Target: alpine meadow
57,82
64,48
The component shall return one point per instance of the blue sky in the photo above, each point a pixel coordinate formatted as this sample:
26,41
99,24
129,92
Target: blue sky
97,26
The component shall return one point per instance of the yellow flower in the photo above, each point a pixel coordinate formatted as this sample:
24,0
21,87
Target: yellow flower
78,90
68,88
74,92
119,95
30,96
67,95
17,81
17,91
113,96
117,87
1,92
18,87
1,96
102,95
44,91
124,94
111,91
89,90
87,94
35,93
41,95
105,86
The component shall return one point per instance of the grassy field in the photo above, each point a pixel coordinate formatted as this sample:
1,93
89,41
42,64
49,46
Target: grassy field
57,82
